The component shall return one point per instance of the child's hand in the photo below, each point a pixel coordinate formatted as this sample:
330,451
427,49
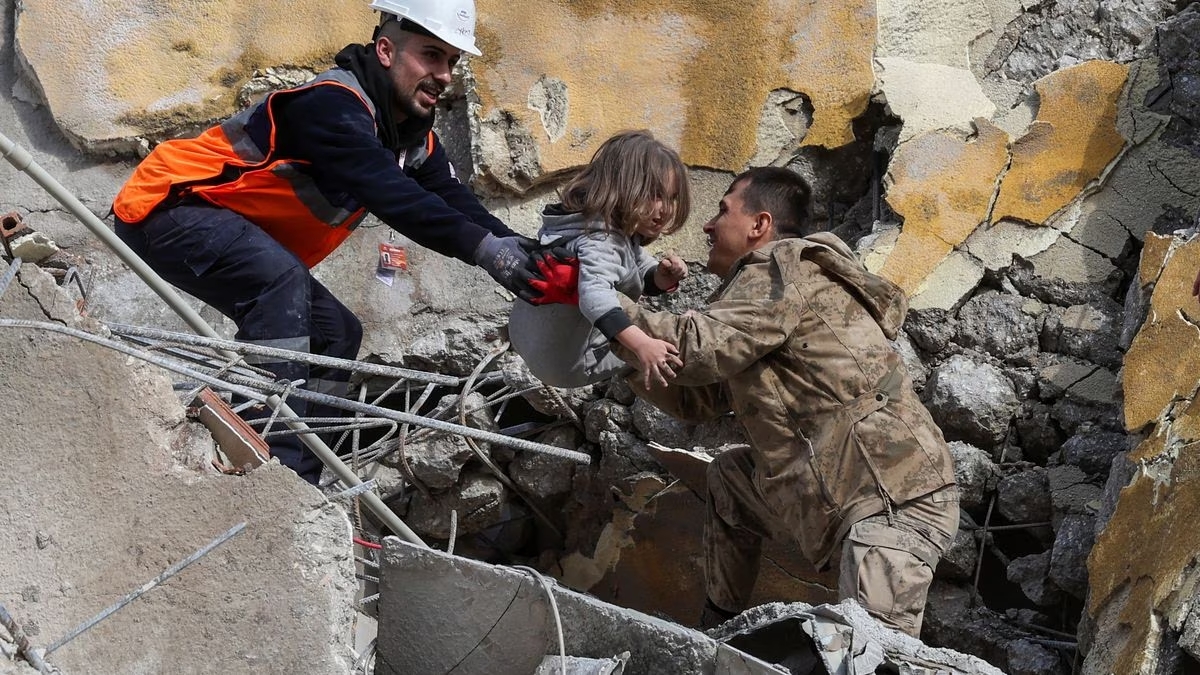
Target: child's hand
657,360
670,271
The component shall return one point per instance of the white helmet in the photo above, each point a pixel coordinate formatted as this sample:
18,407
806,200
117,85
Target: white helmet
452,21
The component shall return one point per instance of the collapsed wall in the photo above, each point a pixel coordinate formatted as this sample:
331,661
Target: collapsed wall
106,486
1009,165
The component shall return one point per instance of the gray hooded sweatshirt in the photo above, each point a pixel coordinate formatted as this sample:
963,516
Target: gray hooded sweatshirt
569,346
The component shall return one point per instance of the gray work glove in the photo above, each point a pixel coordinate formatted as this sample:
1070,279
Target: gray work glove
511,262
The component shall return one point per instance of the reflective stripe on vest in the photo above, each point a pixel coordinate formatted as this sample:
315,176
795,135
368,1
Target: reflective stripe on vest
224,167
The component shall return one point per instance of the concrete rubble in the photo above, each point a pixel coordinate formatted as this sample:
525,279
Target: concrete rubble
1028,171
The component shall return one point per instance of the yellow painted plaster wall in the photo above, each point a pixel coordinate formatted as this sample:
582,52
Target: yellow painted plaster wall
1163,363
1072,141
695,72
943,188
1138,569
110,69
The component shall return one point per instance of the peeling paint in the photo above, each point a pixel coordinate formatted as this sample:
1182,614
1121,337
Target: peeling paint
1163,360
943,187
685,69
1069,145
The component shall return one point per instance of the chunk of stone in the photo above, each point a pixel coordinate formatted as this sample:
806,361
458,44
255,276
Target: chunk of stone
657,426
437,461
959,561
971,401
630,450
457,347
606,415
975,473
543,475
1030,658
1066,274
1037,432
1082,382
1071,493
1068,560
918,372
1094,452
1030,572
1024,497
479,502
997,324
1090,332
33,247
932,330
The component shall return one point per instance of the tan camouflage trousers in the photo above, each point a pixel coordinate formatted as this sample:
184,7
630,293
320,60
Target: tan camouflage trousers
887,560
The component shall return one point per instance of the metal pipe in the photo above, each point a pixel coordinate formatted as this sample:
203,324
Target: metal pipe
23,161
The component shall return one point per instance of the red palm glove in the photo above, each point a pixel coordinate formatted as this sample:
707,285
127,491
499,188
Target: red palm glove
559,282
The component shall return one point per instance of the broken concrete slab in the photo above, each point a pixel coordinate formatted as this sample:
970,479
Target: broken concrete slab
1069,145
1161,364
439,613
932,97
97,506
841,638
942,185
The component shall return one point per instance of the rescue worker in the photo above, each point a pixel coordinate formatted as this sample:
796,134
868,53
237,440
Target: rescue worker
238,215
842,453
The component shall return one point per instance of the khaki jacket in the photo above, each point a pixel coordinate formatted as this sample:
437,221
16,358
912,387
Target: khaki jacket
795,343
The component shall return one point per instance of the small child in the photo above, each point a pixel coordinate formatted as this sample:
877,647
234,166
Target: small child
633,190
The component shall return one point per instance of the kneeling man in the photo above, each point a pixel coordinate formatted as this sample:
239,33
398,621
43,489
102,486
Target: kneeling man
842,453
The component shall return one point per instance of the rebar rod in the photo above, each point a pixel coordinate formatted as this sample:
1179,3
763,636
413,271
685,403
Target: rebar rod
35,657
9,275
148,586
322,451
243,386
23,161
275,352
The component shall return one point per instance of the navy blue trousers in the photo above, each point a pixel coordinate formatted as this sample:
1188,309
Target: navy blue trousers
229,263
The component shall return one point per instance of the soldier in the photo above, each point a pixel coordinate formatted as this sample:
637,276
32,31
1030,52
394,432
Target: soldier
795,343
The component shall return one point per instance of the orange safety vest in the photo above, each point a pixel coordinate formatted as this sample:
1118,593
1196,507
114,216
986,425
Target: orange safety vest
223,166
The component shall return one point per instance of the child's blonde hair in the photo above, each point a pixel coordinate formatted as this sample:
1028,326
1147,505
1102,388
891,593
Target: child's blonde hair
627,173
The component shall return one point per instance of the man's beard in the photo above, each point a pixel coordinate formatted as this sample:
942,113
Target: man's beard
408,107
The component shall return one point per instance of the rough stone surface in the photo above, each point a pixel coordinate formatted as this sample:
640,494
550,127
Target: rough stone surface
959,561
1024,497
543,475
970,401
1029,658
1068,560
931,329
1073,139
1165,356
975,473
932,97
1094,453
999,324
1062,34
479,500
1088,332
1031,572
1178,47
277,595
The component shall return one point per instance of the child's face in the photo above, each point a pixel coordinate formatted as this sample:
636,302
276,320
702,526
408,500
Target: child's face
662,210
